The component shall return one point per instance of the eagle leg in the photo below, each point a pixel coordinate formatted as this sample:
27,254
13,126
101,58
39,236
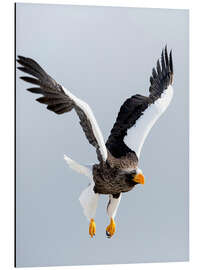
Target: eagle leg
112,207
89,200
92,228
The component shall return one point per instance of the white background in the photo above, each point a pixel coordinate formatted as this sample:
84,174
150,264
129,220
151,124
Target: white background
7,132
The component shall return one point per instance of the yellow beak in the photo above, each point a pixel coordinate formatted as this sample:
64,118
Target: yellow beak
139,178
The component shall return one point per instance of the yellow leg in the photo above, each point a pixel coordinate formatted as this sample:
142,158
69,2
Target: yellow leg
110,230
92,228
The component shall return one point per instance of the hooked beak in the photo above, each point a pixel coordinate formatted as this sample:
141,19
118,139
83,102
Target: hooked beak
139,178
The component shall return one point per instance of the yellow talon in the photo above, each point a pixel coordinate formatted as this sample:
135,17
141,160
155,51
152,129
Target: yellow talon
110,230
92,228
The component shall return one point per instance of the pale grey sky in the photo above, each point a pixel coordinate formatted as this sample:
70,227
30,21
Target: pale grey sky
103,55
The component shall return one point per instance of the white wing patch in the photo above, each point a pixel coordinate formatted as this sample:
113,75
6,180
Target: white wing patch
96,130
89,200
78,168
137,134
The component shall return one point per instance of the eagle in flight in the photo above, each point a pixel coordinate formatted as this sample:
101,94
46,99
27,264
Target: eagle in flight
117,168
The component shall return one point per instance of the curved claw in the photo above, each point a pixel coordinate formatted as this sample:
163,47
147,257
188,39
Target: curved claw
110,230
92,228
108,234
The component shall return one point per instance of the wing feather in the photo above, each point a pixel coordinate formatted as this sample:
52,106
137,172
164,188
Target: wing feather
139,113
60,100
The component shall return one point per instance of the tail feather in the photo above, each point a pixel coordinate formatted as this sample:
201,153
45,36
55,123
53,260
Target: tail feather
77,167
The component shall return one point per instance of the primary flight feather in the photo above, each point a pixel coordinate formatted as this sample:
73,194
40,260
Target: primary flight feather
117,170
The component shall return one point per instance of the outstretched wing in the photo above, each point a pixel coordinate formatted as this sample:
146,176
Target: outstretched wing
60,100
139,113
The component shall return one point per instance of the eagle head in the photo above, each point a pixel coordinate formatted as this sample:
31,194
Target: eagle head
137,177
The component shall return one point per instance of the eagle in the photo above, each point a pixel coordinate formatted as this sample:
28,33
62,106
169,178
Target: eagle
117,168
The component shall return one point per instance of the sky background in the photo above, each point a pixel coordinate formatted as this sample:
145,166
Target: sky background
103,55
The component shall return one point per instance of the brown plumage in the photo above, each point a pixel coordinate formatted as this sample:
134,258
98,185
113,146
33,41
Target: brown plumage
115,175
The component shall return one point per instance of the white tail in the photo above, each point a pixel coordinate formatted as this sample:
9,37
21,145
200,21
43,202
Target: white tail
77,167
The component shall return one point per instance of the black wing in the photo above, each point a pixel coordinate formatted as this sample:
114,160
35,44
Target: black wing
136,106
60,100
